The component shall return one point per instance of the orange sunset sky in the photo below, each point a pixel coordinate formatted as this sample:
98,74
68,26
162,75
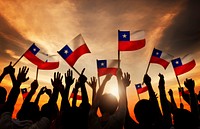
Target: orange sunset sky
171,26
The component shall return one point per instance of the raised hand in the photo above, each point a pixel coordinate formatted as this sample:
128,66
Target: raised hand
57,82
82,79
9,69
126,79
147,79
161,81
93,83
42,90
170,92
34,85
22,74
69,80
48,92
189,84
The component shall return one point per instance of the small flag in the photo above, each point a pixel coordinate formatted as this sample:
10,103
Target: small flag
183,65
33,55
78,97
140,89
180,89
107,67
73,50
160,57
24,92
131,42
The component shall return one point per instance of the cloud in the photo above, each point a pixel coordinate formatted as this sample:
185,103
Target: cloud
183,35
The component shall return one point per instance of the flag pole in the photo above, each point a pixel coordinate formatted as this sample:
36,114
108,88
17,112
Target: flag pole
138,96
147,68
118,54
37,73
20,58
179,87
98,76
78,73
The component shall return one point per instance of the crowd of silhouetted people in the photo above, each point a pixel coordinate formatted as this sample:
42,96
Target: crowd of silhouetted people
114,113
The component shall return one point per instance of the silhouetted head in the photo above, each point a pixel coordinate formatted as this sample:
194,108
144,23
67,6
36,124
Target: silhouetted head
108,104
49,111
184,119
3,94
144,112
30,111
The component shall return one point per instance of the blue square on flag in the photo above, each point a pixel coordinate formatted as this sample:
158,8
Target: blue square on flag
101,64
124,35
176,62
156,53
34,49
138,86
65,52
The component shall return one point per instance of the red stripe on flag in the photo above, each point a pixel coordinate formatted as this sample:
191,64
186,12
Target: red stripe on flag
131,45
141,90
184,68
104,71
160,61
83,49
78,97
32,58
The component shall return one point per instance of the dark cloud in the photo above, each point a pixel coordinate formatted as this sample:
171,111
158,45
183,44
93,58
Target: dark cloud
10,39
183,35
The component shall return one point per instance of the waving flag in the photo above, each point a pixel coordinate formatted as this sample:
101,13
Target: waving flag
130,42
24,92
75,49
33,55
160,57
140,89
183,65
107,67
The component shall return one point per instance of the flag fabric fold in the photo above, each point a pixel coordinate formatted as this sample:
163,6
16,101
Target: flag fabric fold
160,57
78,97
183,65
140,89
33,55
131,42
74,50
107,67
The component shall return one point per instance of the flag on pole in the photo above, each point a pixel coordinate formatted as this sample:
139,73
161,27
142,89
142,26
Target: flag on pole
131,42
140,89
33,55
160,57
107,67
73,50
24,92
183,65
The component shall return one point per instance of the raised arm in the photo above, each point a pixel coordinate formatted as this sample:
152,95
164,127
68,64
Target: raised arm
173,103
42,91
164,102
93,85
82,79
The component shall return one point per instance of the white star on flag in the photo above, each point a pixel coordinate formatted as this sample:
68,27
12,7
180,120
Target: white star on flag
124,35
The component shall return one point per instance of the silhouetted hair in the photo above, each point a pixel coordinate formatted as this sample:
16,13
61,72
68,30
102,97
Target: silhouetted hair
184,119
144,112
30,111
50,111
108,103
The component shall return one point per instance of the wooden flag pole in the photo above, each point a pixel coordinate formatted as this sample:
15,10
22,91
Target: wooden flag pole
78,73
179,87
118,59
147,68
138,96
37,73
18,60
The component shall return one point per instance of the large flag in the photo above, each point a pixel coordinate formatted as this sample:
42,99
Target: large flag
33,55
183,65
140,89
131,42
160,57
24,92
107,67
73,50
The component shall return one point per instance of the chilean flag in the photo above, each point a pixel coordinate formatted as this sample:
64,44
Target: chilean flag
131,42
183,65
34,56
161,58
75,49
107,67
140,89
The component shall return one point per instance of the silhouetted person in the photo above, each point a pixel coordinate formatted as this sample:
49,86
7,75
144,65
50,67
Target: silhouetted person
113,112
